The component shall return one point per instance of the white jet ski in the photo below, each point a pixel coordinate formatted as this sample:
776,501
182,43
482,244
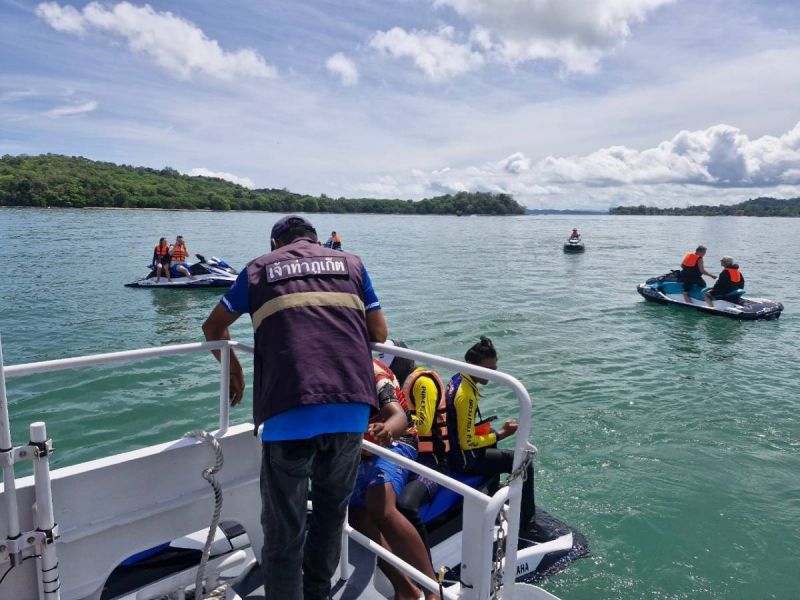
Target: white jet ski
211,272
668,289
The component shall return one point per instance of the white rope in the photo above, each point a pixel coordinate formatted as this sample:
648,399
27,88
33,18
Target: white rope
208,475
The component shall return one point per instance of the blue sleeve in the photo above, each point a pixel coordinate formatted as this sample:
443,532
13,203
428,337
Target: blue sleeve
236,299
370,297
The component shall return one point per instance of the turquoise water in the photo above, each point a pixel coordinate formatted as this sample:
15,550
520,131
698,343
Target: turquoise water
670,438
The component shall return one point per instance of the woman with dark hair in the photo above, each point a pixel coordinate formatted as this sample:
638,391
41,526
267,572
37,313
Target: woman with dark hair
473,444
161,259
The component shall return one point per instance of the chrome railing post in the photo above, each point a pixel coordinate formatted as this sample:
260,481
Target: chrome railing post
7,459
45,521
224,389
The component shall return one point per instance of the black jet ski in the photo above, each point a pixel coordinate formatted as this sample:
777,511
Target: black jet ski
574,245
668,289
542,551
211,272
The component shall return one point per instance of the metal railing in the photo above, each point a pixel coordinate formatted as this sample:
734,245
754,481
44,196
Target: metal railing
480,510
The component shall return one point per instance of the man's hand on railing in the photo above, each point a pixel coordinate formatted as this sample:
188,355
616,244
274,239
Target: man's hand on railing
380,433
236,381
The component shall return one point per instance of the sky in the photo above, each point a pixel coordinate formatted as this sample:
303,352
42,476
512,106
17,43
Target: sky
565,104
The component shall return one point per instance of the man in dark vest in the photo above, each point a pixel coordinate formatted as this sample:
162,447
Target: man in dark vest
314,313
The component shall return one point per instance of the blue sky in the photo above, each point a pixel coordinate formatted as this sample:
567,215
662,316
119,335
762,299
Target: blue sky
563,103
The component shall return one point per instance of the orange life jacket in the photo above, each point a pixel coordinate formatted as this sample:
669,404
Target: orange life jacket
734,274
383,373
178,253
690,260
436,443
162,251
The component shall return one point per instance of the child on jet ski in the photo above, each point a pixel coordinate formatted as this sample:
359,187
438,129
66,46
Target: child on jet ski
729,279
473,450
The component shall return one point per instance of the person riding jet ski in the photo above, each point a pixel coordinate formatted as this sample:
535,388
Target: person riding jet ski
692,271
729,280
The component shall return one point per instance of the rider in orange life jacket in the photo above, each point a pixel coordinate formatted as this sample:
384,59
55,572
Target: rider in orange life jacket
473,451
178,255
373,505
425,393
730,279
161,259
334,242
692,271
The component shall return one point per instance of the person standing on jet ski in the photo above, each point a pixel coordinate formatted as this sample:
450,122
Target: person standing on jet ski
692,271
730,279
473,448
161,259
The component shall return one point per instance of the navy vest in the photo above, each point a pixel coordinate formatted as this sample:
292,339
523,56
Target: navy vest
310,329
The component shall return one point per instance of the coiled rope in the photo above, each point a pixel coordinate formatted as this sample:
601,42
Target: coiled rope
208,475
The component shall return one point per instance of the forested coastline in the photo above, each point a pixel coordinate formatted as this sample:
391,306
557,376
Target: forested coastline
52,180
755,207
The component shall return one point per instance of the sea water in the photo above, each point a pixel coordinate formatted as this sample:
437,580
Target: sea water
668,437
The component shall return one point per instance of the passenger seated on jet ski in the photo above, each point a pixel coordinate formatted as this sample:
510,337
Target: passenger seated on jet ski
334,242
179,253
692,271
425,393
373,505
472,450
729,279
161,259
575,235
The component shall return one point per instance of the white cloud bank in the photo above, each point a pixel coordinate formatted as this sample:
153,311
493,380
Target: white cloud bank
710,163
71,110
438,55
174,44
343,68
203,172
575,33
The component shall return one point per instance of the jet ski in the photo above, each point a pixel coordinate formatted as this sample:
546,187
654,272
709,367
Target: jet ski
544,551
668,289
574,245
211,272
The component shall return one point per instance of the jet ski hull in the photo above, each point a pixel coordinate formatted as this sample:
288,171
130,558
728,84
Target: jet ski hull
212,272
668,289
571,247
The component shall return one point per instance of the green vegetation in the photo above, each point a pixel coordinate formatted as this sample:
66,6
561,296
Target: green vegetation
63,181
757,207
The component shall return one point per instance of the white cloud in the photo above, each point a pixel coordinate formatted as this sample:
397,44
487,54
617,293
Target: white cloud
66,19
576,33
203,172
71,110
174,44
344,68
438,55
693,164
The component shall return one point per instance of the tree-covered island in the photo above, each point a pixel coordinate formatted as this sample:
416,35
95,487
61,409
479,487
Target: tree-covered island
52,180
755,207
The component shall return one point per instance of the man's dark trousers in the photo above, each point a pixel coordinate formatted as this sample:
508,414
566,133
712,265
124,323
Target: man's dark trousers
330,461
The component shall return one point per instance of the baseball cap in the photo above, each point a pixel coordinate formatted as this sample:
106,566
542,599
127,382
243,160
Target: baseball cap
288,222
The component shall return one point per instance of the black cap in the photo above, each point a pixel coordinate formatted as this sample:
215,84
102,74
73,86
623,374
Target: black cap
289,222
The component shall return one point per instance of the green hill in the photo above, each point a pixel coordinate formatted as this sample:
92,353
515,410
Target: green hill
755,207
73,182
